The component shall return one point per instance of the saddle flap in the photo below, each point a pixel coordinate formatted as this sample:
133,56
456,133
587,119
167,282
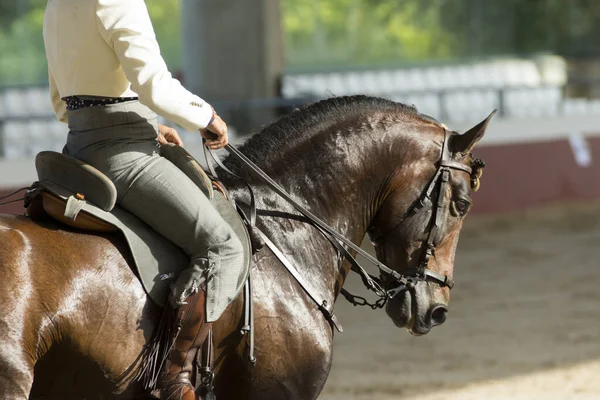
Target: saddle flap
76,177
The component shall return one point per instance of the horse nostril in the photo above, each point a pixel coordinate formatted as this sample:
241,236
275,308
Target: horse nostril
438,315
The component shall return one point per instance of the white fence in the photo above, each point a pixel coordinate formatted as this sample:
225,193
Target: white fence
458,93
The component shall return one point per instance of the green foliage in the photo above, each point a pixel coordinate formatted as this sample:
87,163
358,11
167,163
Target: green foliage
22,56
165,18
566,27
363,32
353,32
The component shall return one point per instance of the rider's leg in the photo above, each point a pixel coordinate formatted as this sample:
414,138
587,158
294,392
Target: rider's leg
176,376
120,141
168,201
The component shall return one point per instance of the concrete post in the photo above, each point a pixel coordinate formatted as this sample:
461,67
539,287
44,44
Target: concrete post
233,52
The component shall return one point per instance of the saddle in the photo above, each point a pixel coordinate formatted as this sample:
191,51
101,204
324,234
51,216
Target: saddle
80,196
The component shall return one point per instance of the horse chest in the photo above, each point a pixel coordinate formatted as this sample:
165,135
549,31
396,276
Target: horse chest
293,345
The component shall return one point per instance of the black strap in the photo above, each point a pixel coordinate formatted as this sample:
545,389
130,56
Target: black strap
205,374
322,305
369,281
328,232
338,240
252,219
12,194
248,327
208,154
311,217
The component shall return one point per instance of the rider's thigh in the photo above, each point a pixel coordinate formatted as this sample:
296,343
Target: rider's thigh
167,200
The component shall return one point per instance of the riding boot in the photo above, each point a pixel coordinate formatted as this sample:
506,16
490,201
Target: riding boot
176,378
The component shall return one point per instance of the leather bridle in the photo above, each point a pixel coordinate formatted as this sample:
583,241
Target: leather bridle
441,179
394,281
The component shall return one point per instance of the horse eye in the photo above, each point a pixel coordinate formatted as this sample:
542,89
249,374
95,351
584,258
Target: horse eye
462,206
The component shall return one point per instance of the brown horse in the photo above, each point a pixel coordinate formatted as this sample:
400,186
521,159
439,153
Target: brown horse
73,316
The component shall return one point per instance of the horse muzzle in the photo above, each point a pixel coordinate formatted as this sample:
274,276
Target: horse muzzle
414,310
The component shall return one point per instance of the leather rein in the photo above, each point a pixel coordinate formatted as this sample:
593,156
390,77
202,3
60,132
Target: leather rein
399,282
441,177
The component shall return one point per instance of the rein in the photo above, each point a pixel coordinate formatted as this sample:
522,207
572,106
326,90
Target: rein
442,176
12,194
402,282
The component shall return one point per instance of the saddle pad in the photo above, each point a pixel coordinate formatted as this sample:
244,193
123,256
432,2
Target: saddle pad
157,260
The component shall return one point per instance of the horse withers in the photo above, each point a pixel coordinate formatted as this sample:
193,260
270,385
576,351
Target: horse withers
74,317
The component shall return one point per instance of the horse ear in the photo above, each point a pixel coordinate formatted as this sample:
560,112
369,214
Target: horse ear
465,142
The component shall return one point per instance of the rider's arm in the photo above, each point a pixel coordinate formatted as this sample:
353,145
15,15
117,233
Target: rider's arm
59,106
126,27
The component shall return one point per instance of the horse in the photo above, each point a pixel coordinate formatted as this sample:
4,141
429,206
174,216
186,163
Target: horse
74,317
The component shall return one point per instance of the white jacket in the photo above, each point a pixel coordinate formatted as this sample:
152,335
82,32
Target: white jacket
108,48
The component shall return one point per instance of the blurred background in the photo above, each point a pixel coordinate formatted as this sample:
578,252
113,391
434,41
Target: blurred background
524,320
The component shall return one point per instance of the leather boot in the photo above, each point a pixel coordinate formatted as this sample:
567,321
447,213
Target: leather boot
176,378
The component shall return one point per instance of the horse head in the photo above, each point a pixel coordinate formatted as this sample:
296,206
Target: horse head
369,165
416,228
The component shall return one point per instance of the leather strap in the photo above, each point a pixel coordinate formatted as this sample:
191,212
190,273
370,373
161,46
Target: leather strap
207,152
28,188
313,218
322,305
248,327
403,281
73,207
317,221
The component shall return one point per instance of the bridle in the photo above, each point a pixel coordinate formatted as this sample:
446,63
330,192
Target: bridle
398,282
423,272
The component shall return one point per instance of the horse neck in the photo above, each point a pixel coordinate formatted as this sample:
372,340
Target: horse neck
342,179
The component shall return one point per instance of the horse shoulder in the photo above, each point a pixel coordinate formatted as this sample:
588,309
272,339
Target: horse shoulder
74,288
17,354
293,341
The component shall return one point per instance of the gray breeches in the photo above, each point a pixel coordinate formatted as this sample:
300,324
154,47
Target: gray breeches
120,140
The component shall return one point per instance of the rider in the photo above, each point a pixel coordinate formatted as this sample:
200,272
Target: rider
108,81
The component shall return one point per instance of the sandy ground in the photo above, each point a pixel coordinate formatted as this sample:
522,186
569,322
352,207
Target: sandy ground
524,320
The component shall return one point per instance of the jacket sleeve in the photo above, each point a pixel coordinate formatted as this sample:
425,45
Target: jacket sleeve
125,25
59,106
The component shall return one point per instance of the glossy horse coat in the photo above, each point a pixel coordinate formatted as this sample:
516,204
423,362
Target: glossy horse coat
72,311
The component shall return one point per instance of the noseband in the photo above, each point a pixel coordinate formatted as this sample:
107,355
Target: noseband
422,272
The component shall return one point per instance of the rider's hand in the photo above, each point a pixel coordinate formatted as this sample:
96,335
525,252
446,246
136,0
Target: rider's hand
168,135
215,134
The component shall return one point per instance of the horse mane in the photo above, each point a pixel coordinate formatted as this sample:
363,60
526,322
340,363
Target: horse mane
304,123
